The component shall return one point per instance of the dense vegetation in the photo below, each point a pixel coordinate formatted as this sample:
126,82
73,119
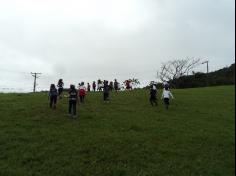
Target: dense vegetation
126,137
225,76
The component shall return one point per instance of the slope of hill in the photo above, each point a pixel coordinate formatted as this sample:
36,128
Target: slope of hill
126,137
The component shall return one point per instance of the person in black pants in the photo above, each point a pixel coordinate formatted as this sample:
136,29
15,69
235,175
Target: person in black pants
94,86
153,95
116,85
53,96
73,96
111,86
88,87
106,89
60,88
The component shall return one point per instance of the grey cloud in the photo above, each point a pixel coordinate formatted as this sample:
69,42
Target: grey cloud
78,40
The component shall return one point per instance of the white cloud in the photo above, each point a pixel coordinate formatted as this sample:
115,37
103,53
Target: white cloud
110,39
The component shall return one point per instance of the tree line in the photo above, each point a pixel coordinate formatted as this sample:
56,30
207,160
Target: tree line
180,74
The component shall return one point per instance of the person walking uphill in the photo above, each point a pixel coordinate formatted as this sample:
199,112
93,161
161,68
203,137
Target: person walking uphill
166,96
94,86
99,85
88,87
53,96
72,101
106,89
111,86
82,92
153,94
60,88
116,85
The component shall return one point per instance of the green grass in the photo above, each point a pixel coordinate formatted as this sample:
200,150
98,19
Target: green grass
128,137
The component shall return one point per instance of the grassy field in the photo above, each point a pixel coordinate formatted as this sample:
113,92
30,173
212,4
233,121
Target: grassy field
128,137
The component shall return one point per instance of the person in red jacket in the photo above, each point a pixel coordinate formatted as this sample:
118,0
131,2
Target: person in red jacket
82,92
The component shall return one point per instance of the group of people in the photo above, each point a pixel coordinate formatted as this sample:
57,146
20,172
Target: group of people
166,94
79,94
105,86
99,86
116,86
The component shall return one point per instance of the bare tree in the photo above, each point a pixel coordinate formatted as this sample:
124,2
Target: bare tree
174,69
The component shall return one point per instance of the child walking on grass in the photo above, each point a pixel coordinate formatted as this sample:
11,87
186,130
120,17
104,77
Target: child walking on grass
82,92
72,101
60,88
153,94
116,85
106,89
88,87
53,96
166,96
94,86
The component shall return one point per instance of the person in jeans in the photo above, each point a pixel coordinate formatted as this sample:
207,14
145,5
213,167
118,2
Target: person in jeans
72,101
53,96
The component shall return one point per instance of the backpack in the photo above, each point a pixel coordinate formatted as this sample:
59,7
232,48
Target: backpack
53,92
73,95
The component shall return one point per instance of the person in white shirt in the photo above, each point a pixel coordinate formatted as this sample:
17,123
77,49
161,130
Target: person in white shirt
100,85
166,96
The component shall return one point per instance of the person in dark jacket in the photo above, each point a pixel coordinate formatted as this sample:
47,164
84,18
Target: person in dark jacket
94,86
153,94
116,85
106,89
111,86
73,96
53,96
60,87
88,87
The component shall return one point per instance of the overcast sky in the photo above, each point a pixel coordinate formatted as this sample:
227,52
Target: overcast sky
84,40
